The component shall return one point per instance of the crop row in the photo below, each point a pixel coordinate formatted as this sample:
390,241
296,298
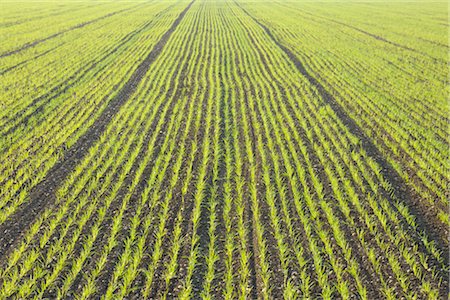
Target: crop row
407,120
227,173
63,118
21,34
283,83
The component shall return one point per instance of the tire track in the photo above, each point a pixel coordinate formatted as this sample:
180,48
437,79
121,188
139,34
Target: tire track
42,195
39,103
400,187
315,159
30,59
380,38
78,26
39,17
372,35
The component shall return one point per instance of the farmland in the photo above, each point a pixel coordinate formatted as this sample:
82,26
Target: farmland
224,150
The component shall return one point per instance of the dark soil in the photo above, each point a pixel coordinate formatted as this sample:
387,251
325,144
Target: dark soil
377,37
42,195
41,101
400,188
37,42
30,59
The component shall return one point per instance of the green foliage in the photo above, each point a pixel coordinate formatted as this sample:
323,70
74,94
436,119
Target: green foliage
229,171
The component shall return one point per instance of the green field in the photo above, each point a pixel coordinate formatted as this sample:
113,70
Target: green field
224,150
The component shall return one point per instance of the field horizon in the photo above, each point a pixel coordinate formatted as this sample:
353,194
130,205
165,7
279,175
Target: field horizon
224,150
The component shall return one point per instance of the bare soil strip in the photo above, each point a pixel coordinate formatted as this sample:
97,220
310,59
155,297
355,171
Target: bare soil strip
40,102
30,59
42,195
41,16
37,42
379,38
172,95
400,188
122,42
